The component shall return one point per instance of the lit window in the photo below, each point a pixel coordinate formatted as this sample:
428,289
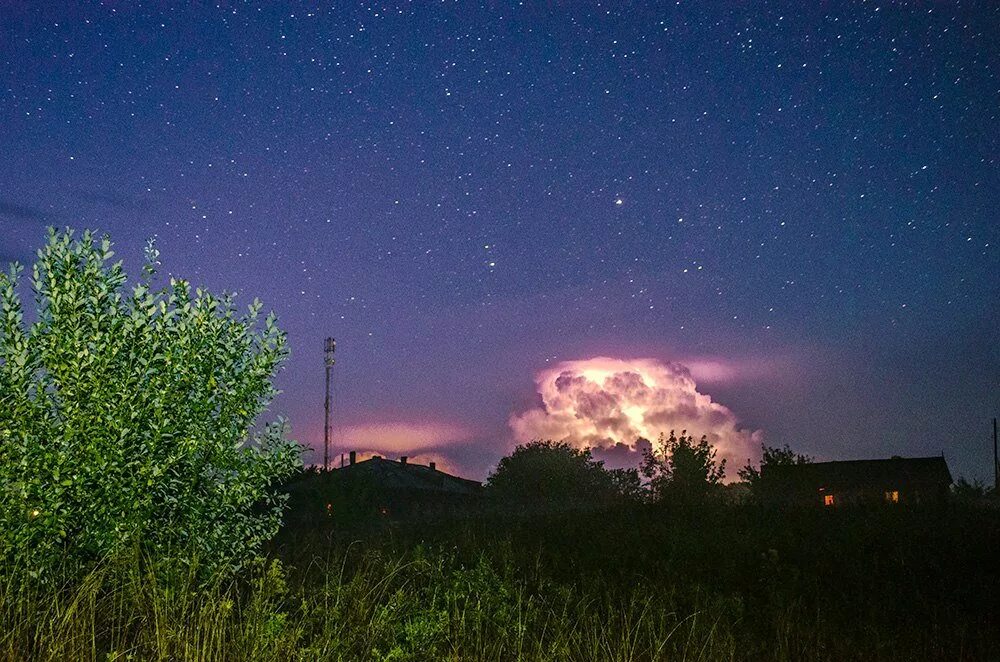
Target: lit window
892,496
827,499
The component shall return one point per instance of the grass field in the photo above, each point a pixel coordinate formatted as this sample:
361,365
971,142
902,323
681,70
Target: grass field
628,583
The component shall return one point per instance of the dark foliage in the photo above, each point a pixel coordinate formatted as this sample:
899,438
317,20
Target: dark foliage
682,469
770,457
555,473
972,491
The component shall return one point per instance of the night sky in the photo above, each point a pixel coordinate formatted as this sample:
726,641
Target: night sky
798,203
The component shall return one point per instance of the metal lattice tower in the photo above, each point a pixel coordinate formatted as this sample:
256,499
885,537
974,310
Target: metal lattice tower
328,349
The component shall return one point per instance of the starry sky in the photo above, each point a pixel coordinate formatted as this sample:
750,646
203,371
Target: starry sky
800,198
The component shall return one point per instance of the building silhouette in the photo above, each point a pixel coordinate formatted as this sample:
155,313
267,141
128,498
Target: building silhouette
382,488
897,480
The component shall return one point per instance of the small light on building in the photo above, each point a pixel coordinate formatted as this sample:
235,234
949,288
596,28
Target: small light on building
827,499
892,496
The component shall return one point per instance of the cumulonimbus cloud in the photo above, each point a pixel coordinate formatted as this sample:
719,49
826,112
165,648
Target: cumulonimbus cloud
608,404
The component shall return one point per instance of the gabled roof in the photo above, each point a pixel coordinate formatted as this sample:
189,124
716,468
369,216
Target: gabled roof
397,476
896,472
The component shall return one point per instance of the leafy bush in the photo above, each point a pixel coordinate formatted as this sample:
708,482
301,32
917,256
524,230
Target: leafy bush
125,417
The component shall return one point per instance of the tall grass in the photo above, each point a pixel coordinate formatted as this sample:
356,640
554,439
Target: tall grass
124,610
419,607
632,586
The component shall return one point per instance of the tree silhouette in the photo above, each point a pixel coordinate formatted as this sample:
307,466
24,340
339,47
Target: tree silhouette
760,487
555,473
680,468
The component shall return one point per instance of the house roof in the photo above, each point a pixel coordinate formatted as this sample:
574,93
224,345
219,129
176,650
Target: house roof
395,476
391,474
894,472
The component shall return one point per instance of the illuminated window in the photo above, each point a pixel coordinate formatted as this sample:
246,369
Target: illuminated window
892,496
827,499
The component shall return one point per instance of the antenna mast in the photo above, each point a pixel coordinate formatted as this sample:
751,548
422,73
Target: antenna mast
996,461
328,348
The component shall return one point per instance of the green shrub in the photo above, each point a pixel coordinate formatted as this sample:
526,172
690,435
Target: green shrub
126,417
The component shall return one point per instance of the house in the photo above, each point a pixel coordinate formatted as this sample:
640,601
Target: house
830,484
380,487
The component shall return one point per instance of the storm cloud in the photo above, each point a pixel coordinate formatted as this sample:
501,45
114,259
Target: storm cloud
610,405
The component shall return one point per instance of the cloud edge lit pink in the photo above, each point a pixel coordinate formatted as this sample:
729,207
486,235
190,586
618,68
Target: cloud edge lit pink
607,404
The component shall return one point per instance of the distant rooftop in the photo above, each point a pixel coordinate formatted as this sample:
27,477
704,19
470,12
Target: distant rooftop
901,471
406,476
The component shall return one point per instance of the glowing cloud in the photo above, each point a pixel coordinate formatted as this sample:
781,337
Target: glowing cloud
608,404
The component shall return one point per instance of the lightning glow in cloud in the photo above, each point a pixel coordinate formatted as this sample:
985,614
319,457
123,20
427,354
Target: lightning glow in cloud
608,404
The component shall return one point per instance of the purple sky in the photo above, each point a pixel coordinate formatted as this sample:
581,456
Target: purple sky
467,194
